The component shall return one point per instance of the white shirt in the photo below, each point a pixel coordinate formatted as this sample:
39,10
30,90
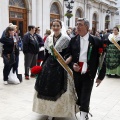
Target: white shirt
83,48
83,52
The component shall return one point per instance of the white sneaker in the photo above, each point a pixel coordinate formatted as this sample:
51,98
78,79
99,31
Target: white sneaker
5,82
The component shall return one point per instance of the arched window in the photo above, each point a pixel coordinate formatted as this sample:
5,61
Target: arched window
78,15
54,9
54,12
107,22
94,23
94,17
17,3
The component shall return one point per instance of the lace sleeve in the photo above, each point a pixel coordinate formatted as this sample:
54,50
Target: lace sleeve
63,44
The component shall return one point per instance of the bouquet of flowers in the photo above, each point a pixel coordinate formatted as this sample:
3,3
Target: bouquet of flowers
102,52
36,70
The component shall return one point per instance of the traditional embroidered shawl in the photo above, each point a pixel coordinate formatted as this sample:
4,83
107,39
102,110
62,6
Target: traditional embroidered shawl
115,37
61,43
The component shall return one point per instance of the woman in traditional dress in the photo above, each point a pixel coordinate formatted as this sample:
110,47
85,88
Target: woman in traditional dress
54,87
113,53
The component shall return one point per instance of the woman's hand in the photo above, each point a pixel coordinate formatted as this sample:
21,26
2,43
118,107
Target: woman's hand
68,60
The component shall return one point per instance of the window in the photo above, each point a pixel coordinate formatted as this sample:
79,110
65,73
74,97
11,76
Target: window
54,9
78,13
16,15
17,3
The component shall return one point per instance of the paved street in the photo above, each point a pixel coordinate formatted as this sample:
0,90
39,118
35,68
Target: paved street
16,100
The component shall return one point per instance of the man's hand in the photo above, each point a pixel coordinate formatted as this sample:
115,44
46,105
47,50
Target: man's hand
98,81
76,67
8,55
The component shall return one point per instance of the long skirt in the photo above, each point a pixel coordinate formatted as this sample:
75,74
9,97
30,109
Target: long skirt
65,106
113,60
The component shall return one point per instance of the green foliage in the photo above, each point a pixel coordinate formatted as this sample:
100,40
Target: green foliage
107,20
68,15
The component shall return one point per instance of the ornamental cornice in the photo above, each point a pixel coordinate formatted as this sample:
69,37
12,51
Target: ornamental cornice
89,6
112,1
97,1
103,10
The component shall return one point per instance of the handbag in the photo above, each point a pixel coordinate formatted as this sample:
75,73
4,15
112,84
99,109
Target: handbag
12,77
9,60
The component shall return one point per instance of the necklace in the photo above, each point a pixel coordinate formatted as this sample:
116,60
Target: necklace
55,38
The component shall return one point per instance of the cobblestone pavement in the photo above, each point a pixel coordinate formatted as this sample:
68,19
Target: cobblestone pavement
16,100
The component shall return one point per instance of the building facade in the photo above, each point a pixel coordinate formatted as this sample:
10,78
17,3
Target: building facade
42,12
117,22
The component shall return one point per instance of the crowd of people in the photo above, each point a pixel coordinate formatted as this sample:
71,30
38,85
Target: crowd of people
32,45
70,60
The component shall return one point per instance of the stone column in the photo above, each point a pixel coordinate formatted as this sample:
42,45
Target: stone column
29,17
34,12
4,15
46,14
112,20
39,15
90,17
103,19
88,11
85,9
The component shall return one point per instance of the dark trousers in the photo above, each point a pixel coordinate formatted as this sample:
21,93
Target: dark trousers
83,85
6,71
30,61
15,66
7,68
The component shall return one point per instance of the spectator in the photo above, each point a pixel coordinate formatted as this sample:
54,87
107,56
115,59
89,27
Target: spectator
74,32
30,50
101,34
8,50
97,34
105,36
47,33
41,46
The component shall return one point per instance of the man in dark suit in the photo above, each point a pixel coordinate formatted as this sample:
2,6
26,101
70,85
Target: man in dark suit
85,53
105,36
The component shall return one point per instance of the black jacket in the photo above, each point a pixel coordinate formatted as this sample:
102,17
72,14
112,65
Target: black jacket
74,50
40,40
8,45
30,44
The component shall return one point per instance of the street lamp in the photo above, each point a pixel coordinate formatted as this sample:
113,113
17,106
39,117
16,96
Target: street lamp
69,5
108,11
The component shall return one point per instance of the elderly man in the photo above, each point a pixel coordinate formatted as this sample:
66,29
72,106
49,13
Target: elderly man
84,49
